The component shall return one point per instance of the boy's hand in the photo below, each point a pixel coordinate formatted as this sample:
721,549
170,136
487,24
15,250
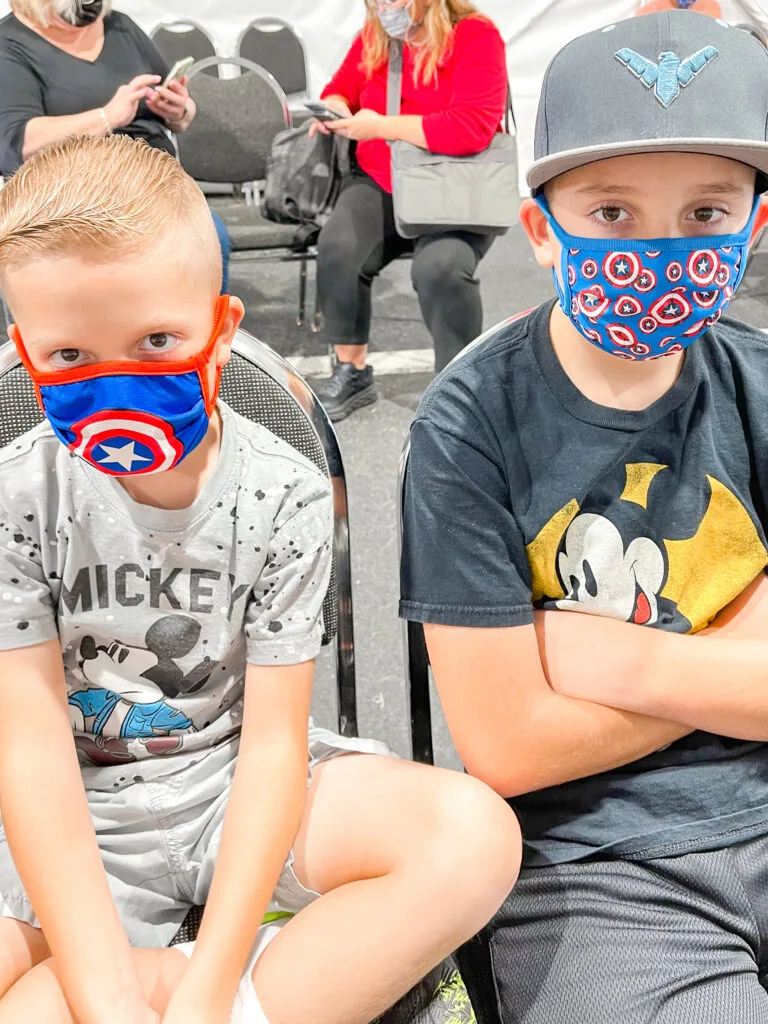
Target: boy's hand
189,1006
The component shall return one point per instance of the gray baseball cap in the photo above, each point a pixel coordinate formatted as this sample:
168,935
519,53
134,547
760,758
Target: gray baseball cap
673,81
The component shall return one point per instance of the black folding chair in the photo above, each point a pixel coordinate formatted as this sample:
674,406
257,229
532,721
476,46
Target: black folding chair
277,46
179,39
261,386
474,957
228,143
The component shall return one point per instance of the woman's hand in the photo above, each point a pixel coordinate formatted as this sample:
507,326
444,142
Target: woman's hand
365,125
121,109
170,102
333,104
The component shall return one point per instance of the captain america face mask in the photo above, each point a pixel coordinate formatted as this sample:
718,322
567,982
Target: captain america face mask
132,418
641,299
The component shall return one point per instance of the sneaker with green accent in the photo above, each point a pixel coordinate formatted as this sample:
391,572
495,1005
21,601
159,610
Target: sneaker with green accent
440,998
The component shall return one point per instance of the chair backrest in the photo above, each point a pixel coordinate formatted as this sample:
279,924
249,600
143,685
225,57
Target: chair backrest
277,46
179,39
231,136
261,386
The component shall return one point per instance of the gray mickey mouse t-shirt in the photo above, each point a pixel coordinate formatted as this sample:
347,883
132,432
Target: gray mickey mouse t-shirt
159,611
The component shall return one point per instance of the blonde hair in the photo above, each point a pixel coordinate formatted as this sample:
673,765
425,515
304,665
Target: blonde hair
42,11
104,197
440,19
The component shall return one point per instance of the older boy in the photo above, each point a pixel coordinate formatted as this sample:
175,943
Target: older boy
163,564
608,454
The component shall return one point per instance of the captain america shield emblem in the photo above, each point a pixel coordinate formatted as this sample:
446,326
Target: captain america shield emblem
702,267
621,267
670,309
122,442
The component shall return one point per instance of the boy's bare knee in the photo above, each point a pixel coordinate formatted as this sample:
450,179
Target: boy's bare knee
21,948
478,836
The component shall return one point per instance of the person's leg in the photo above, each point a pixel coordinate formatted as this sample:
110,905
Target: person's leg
21,948
358,240
443,275
226,250
411,860
667,941
38,997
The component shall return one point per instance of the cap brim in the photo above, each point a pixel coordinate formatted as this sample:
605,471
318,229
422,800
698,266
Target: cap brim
746,151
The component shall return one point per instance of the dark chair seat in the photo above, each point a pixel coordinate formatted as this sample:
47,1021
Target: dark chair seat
248,230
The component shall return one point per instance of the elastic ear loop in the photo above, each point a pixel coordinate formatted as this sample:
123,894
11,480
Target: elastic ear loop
203,358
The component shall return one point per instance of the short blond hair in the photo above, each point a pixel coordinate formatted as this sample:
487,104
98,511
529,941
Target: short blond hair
42,11
102,197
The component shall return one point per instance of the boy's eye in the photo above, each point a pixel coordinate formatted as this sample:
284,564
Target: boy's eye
708,215
159,342
610,214
65,358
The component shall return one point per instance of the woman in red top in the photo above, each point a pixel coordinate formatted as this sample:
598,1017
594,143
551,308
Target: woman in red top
453,95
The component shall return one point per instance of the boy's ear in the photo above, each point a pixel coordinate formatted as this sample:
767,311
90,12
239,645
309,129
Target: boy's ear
761,220
231,322
535,225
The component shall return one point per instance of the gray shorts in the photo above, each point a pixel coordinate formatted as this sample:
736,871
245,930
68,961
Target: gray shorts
674,940
159,838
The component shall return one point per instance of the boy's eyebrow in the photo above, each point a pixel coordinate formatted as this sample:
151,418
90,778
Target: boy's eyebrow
720,188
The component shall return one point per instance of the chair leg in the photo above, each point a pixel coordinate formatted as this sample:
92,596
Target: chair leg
345,635
417,666
302,293
317,319
474,960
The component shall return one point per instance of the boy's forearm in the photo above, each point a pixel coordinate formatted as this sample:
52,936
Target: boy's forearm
50,834
717,684
262,817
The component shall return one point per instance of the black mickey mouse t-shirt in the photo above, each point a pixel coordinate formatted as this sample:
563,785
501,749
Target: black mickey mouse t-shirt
523,493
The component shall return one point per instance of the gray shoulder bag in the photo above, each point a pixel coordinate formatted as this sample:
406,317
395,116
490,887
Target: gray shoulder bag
433,192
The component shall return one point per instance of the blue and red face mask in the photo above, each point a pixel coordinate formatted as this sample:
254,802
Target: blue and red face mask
641,299
129,418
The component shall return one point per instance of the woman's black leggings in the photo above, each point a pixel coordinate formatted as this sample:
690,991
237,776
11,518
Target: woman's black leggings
360,239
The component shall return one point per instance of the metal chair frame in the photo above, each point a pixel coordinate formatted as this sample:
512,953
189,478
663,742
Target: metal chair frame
171,23
474,957
250,190
254,352
267,20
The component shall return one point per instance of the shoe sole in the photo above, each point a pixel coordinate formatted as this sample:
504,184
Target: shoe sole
358,401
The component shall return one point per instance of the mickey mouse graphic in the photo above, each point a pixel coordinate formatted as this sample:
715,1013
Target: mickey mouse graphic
128,688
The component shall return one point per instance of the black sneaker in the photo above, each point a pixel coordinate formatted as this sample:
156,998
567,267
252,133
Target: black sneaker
345,390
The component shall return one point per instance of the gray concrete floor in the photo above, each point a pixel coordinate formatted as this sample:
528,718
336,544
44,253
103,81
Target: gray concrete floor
371,441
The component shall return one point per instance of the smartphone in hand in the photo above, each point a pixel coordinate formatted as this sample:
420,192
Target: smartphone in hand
179,69
321,112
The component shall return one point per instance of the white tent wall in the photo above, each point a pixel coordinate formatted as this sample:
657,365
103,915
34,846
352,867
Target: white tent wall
533,29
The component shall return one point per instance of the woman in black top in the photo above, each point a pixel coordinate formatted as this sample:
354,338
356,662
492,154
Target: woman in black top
73,67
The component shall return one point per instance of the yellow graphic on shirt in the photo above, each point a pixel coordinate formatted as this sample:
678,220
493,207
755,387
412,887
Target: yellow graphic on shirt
639,479
581,561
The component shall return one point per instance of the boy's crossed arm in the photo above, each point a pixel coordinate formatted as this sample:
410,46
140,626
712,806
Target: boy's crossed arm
48,825
716,682
579,694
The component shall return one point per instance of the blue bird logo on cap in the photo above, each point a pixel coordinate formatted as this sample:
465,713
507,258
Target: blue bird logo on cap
670,74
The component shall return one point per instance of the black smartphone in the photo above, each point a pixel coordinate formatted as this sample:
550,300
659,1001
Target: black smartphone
321,112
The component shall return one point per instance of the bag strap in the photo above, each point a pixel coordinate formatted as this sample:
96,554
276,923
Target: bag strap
395,87
509,113
395,79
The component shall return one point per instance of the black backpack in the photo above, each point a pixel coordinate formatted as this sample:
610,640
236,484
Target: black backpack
304,176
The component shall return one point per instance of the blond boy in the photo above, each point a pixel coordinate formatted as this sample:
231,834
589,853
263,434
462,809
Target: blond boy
165,563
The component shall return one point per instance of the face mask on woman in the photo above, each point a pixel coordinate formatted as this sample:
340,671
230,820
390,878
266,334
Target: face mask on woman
83,12
396,21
